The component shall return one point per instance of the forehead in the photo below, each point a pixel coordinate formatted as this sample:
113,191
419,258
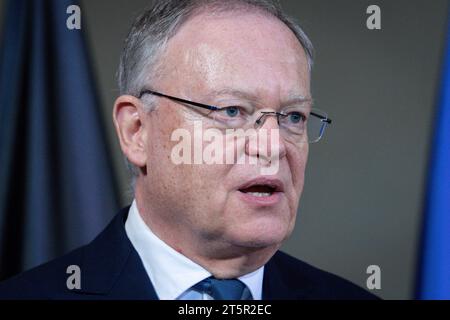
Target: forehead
247,51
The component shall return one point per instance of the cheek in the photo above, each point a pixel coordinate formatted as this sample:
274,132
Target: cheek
200,183
297,159
162,123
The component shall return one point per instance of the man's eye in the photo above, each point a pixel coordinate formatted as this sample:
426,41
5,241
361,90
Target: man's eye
296,117
232,112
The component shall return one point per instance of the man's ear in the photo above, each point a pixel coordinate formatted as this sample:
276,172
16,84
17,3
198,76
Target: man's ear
128,119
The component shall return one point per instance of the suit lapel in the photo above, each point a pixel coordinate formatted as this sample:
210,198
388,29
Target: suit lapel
111,267
276,284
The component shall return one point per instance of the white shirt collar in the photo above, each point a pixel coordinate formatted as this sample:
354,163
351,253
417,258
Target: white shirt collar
170,272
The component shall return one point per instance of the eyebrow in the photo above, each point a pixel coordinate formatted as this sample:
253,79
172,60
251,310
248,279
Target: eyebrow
291,100
295,99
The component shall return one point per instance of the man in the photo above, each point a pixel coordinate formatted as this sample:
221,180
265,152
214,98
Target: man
205,225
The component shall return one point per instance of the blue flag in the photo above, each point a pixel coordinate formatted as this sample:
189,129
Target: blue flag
57,189
434,278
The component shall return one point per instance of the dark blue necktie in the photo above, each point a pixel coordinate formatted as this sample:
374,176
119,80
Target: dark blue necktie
232,289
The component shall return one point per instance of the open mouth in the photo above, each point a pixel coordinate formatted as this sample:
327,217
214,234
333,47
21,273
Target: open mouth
262,187
259,190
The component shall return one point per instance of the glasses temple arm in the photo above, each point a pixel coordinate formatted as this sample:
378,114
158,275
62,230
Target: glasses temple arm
321,117
197,104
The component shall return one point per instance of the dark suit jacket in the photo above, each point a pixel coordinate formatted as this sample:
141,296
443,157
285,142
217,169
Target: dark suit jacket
112,269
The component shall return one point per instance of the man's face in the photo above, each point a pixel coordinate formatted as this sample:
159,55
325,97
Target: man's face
259,60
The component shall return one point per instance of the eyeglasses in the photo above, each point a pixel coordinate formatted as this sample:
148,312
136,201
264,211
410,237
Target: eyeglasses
297,123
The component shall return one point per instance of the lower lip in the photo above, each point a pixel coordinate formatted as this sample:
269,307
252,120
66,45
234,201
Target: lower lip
274,198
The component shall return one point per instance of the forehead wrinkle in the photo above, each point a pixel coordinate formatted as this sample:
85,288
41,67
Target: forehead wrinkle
292,98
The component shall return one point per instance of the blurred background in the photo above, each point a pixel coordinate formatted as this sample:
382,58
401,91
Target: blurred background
366,184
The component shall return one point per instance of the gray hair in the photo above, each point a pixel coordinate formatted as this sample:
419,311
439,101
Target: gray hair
152,30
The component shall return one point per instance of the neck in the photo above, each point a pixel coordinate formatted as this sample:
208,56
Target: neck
232,262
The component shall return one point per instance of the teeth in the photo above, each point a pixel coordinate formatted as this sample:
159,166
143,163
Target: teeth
260,194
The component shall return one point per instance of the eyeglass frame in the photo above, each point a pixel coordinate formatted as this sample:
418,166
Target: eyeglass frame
214,108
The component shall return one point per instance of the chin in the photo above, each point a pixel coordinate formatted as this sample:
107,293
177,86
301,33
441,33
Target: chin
261,235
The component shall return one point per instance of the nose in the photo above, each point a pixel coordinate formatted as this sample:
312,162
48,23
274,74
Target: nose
269,146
